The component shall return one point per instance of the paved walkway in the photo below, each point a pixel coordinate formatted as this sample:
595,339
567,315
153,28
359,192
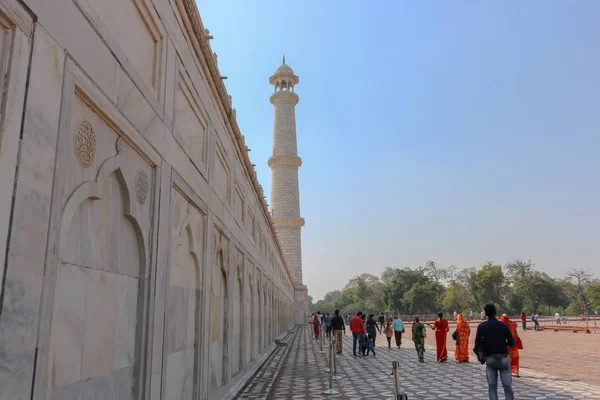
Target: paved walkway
297,371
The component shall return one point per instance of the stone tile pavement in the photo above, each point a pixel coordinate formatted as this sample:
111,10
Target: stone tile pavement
297,371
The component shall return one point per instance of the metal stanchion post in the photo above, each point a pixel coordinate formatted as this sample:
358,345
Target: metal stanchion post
329,362
333,353
331,390
399,395
321,336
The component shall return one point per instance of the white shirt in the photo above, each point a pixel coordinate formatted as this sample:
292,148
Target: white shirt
557,315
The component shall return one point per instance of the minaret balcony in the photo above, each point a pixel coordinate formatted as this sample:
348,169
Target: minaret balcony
288,222
275,161
284,96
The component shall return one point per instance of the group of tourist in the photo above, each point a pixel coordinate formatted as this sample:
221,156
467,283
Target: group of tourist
497,342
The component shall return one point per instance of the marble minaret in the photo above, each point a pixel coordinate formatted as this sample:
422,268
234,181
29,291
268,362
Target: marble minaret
285,195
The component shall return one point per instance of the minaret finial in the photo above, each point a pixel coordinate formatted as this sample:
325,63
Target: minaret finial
284,58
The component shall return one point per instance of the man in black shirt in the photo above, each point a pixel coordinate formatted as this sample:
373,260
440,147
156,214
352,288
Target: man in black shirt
492,339
337,324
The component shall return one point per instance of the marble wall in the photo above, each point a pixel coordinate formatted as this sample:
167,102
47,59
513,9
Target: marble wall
139,260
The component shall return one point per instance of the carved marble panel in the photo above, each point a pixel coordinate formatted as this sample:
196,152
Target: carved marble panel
102,248
219,311
184,295
138,34
190,125
221,177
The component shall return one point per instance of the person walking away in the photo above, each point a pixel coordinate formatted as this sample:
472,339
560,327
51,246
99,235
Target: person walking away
389,332
482,315
364,334
536,323
381,321
557,318
358,329
419,333
316,326
372,329
463,330
471,316
339,329
398,327
328,319
513,351
370,345
492,340
455,313
524,320
441,328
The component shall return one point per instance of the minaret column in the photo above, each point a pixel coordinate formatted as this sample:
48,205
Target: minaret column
285,194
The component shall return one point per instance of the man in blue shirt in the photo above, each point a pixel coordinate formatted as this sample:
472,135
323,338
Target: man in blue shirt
328,319
492,339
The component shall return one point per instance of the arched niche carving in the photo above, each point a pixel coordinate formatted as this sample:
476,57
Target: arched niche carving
94,190
100,294
183,318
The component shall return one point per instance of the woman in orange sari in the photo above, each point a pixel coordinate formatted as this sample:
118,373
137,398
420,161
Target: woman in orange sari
513,352
462,344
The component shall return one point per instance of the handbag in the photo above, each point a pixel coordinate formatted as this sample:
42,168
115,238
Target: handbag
455,335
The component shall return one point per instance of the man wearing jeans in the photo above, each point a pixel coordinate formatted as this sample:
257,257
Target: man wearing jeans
337,324
492,339
358,330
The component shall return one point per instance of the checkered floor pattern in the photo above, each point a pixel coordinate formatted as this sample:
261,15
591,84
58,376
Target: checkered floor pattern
297,371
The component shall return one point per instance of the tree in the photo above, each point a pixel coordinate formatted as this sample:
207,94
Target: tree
593,293
332,296
400,283
533,289
422,298
581,279
487,284
456,298
439,274
362,285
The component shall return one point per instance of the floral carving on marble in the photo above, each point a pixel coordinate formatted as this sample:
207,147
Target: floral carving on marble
85,143
119,144
176,214
141,186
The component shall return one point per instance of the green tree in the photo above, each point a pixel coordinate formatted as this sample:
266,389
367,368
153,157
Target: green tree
487,284
593,293
424,298
437,273
581,279
456,298
399,285
533,289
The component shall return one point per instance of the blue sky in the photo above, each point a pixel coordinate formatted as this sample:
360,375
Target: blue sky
461,132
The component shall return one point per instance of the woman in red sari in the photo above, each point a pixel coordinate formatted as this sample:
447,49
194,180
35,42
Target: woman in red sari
462,347
440,326
513,352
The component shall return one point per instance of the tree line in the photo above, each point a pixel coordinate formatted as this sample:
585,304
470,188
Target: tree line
515,287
